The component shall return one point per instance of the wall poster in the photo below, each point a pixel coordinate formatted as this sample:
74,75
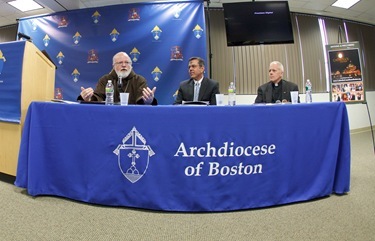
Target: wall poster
345,68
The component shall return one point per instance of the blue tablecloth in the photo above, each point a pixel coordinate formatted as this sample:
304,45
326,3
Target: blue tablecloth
186,158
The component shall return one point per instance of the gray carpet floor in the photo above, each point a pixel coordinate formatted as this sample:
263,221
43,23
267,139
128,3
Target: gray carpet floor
346,217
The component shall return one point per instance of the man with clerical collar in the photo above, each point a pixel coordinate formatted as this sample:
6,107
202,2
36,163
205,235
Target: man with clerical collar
198,87
277,90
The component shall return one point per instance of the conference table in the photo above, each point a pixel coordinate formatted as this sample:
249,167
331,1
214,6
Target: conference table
185,158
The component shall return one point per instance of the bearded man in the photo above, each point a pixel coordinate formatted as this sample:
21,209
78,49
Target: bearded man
124,80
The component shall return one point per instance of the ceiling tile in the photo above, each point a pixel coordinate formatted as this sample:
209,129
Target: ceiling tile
316,6
362,11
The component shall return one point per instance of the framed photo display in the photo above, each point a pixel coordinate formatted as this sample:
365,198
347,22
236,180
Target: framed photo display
345,72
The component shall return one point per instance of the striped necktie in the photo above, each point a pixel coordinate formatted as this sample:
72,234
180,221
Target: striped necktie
196,91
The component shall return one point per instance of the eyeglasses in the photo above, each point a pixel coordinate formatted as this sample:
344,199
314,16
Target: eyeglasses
123,62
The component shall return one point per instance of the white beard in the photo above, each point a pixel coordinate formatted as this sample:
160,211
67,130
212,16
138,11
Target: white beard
123,74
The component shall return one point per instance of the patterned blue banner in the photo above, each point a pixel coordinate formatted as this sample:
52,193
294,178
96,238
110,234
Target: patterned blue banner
159,37
11,60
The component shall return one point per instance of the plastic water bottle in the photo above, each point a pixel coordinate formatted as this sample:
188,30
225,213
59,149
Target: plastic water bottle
109,93
308,91
231,94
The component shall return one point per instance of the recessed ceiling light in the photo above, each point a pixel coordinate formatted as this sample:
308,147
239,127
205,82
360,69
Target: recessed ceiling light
344,3
25,5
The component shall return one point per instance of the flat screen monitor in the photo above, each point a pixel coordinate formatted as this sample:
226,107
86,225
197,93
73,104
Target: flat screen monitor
254,23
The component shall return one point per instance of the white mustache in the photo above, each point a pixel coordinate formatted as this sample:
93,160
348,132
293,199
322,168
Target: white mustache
123,73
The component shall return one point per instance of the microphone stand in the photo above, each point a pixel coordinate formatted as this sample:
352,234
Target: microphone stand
119,84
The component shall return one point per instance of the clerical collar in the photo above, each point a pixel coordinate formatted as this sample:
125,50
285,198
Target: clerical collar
276,84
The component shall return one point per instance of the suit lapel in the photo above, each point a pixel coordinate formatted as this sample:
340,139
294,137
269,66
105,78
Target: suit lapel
203,88
191,89
269,93
284,91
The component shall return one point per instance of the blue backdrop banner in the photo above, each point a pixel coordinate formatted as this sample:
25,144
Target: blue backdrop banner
11,60
159,37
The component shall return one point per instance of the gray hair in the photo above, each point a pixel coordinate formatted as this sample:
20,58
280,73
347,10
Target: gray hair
119,53
280,65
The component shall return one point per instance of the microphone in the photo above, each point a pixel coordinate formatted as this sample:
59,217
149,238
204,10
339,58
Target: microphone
119,83
23,36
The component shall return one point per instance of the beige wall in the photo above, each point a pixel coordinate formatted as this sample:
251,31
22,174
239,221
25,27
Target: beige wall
304,59
8,33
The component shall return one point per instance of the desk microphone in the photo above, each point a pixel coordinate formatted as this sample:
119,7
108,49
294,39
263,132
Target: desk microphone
119,83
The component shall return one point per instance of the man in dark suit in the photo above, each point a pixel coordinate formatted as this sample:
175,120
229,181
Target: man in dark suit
277,89
198,87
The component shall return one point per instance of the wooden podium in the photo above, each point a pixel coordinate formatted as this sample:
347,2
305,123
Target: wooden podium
37,84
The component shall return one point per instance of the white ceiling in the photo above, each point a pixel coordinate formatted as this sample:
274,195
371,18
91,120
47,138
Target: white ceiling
363,11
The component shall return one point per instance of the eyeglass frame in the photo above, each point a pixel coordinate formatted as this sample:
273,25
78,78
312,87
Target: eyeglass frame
123,62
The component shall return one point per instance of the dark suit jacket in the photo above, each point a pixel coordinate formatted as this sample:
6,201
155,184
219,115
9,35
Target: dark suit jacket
207,92
265,92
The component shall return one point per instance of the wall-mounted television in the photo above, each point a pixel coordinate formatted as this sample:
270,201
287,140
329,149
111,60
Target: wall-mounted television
254,23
